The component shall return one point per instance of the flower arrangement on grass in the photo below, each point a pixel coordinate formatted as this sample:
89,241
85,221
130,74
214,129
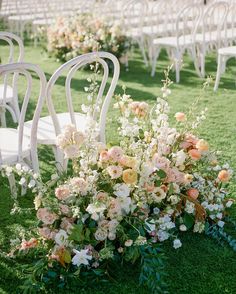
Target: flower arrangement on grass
73,36
121,202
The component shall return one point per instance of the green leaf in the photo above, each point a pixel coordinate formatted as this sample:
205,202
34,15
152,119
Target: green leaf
188,220
161,173
77,233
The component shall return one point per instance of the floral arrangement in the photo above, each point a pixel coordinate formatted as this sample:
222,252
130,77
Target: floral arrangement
122,202
70,37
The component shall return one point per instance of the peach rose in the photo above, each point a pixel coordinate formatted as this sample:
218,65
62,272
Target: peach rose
180,116
202,145
130,176
193,193
189,142
62,193
46,216
104,156
128,161
224,176
195,154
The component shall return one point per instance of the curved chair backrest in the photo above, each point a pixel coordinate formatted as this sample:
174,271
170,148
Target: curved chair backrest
72,66
10,39
187,21
26,70
134,13
214,22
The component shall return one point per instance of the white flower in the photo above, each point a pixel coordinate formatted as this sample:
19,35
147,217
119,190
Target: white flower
8,170
189,207
93,208
81,257
156,210
61,238
177,243
150,225
22,181
100,235
180,157
162,235
128,243
32,183
229,203
221,224
183,228
121,190
18,166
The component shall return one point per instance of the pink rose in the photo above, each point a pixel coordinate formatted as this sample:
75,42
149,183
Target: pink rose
46,216
62,193
115,153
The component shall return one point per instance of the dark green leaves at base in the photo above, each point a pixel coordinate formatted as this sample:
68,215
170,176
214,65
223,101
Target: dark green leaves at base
153,273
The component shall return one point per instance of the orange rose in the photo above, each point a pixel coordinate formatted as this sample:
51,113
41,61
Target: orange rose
180,116
193,193
195,154
202,145
224,176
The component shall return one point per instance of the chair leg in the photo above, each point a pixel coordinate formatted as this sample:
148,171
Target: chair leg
12,183
3,117
61,162
177,66
154,61
142,48
219,71
203,65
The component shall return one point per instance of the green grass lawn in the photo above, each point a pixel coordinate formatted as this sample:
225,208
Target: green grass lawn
201,265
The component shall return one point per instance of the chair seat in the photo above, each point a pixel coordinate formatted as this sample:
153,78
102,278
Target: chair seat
172,41
46,132
9,145
228,51
9,93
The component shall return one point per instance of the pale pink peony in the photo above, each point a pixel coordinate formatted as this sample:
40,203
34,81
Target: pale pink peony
79,184
62,192
115,153
114,171
71,151
46,216
64,209
160,162
45,232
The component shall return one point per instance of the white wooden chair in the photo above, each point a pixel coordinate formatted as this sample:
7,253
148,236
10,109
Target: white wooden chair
8,94
15,146
51,126
184,39
214,31
134,13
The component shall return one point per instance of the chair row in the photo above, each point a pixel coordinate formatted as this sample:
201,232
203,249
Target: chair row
20,144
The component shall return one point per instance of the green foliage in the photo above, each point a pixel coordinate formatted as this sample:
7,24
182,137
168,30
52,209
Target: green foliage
220,235
153,271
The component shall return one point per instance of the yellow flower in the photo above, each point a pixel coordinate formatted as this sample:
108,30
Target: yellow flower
128,161
130,176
